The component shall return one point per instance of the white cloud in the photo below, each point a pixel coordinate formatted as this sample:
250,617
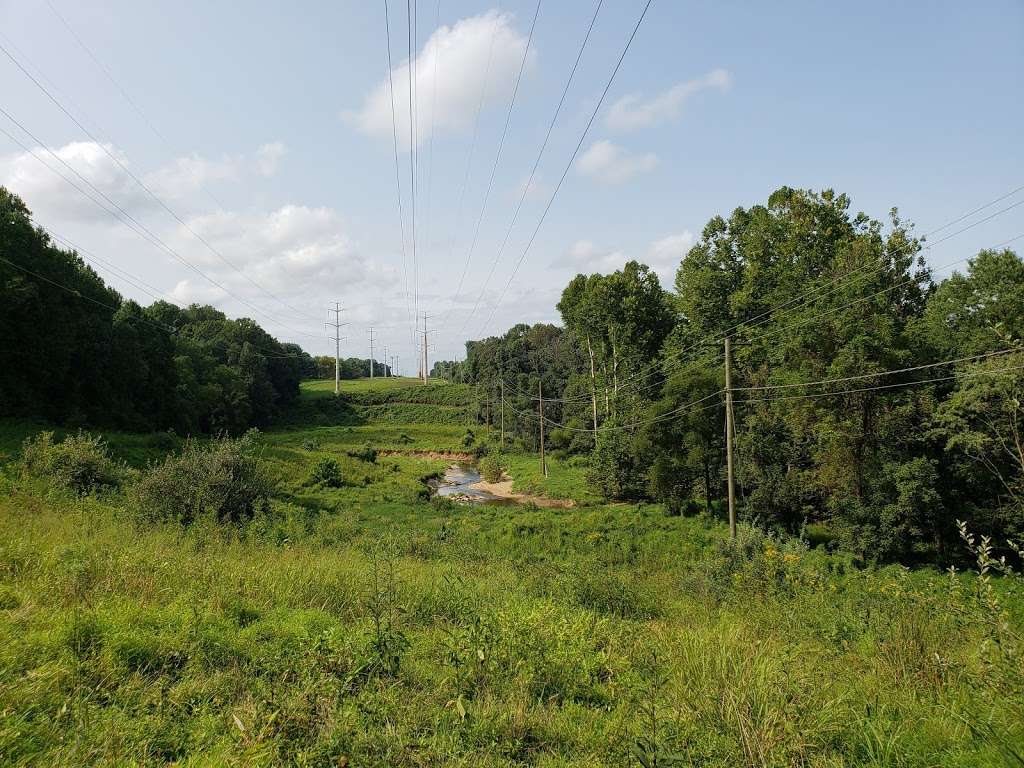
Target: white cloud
665,254
611,164
50,197
662,256
453,66
538,189
188,292
584,256
97,170
269,156
633,111
184,176
294,249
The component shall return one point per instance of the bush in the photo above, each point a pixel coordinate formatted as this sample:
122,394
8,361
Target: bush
365,453
224,479
80,463
468,439
326,472
492,468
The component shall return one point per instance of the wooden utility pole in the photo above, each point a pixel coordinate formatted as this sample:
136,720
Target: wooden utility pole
502,389
543,461
728,437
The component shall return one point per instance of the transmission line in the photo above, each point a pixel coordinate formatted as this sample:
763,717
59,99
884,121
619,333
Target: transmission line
536,164
497,156
568,165
121,215
149,192
398,177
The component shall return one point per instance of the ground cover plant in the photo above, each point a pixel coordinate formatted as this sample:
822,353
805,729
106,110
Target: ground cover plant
363,623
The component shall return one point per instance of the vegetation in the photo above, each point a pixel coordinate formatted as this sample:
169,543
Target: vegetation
297,597
808,292
79,463
595,633
224,480
492,467
72,351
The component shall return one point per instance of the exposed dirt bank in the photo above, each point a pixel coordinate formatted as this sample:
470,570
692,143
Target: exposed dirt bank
461,458
503,490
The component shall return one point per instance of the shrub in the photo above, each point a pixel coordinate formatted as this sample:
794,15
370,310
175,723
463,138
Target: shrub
326,472
365,453
225,479
80,463
468,439
311,444
492,468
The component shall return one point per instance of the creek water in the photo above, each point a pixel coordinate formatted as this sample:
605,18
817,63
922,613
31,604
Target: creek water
458,481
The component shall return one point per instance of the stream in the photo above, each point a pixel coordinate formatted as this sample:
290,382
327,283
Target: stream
457,483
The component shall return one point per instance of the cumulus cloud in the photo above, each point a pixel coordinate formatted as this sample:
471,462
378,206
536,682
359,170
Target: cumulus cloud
269,156
611,164
52,197
662,256
585,256
665,254
99,169
454,65
296,246
189,292
185,176
634,111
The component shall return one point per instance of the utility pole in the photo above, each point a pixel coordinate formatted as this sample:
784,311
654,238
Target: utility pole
425,331
543,460
371,351
337,325
728,437
385,361
502,414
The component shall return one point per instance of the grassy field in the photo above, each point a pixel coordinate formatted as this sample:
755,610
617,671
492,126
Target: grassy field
367,625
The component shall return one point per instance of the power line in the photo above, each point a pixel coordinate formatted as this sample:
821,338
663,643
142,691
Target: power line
469,158
568,165
536,164
80,295
818,316
125,218
412,164
966,375
134,177
835,284
398,178
876,374
501,145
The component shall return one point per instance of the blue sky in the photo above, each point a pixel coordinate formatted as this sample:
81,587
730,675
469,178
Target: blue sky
273,141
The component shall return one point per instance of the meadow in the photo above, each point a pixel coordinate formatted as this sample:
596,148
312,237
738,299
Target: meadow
366,624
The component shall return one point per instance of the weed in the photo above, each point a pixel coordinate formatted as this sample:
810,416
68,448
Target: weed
80,463
327,473
225,479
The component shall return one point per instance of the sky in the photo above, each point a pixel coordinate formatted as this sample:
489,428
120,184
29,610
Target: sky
251,159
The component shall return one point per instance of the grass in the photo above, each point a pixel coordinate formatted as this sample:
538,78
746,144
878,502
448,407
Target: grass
366,626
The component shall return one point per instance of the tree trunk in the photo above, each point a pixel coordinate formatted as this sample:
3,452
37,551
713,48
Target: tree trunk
593,386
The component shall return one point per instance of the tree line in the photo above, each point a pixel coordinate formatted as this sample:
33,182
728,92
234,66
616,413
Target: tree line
75,352
348,368
807,291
